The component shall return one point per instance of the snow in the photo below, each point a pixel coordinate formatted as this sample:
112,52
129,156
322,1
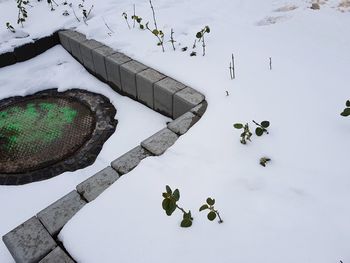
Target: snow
57,69
294,210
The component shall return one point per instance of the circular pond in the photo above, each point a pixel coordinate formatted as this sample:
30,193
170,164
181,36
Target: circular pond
48,133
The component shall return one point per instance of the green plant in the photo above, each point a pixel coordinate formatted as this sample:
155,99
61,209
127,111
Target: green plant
246,134
22,12
346,111
10,27
156,32
86,14
209,205
138,19
51,2
169,204
264,161
262,127
200,37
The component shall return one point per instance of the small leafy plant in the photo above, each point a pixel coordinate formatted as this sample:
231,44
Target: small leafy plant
10,27
246,134
200,37
264,161
125,15
209,205
262,128
22,12
346,111
138,19
86,14
169,205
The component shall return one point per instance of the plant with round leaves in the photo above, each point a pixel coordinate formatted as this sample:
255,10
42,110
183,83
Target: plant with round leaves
200,37
138,20
158,34
346,111
264,161
22,12
209,205
262,127
125,15
246,134
169,205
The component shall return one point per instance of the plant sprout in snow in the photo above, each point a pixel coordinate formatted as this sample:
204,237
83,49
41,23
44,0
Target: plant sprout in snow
169,205
212,212
246,134
262,127
346,111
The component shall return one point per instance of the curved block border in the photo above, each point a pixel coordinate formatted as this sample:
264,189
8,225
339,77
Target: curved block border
128,77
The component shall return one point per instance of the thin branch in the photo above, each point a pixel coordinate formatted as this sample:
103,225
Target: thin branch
154,15
134,16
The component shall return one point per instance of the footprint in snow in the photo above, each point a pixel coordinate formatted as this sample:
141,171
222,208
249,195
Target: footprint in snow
286,8
270,20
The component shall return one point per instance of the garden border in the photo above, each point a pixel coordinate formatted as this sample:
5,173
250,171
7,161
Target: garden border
36,240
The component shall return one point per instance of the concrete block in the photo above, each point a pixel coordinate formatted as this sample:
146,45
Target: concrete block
29,242
182,124
200,109
25,52
128,73
45,43
74,41
86,48
57,256
145,83
64,36
160,142
7,59
55,216
113,64
130,160
164,91
96,184
185,100
98,55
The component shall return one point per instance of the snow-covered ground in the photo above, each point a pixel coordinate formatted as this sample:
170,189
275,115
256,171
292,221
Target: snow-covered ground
57,69
296,209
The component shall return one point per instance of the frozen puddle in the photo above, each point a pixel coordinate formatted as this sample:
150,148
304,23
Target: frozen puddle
57,69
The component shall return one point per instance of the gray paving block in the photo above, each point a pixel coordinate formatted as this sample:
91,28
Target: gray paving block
29,242
64,36
200,109
185,100
164,91
113,64
160,142
74,41
57,256
98,56
182,124
96,184
128,73
86,48
130,160
55,216
145,82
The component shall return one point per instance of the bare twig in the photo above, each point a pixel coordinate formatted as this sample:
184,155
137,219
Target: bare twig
111,31
270,63
233,67
71,6
172,39
133,26
154,15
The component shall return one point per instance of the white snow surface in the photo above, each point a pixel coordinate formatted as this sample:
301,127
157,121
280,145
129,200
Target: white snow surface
57,69
296,209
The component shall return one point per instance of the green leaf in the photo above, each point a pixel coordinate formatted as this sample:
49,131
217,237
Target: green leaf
168,189
259,131
199,35
165,204
141,26
171,207
238,125
203,207
346,112
165,195
265,124
210,201
155,32
211,216
187,215
186,223
207,29
177,194
347,103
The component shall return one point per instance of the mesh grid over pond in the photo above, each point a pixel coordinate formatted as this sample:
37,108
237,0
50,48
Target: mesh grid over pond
42,132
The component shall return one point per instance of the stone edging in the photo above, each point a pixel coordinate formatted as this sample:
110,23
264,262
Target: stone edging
36,239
